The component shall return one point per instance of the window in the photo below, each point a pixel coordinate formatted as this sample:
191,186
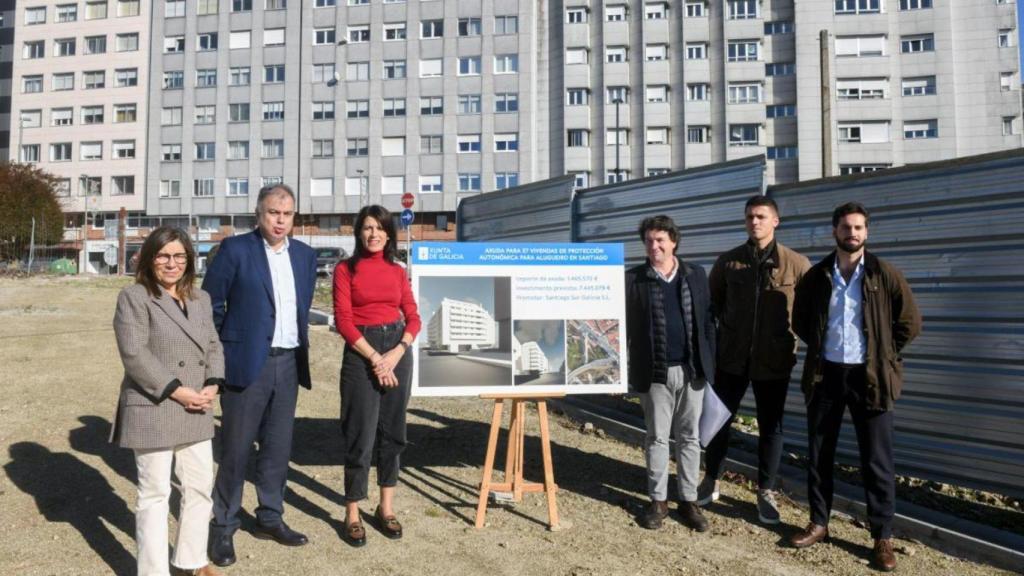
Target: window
780,69
239,76
357,71
743,134
275,5
863,132
30,153
60,152
174,8
431,184
845,169
431,67
239,39
748,9
174,44
920,129
273,37
617,94
1008,125
174,80
745,93
123,149
171,152
696,50
321,187
92,114
577,56
323,110
205,114
325,3
577,15
431,144
32,84
861,88
615,13
33,50
31,118
355,186
358,2
578,97
860,46
392,185
206,6
469,182
124,113
238,150
273,148
170,116
127,42
238,112
469,104
577,138
96,10
205,151
90,151
615,54
394,146
743,50
95,45
238,187
64,47
506,64
858,6
697,91
323,72
170,188
94,79
778,27
1005,38
357,147
614,137
698,134
695,9
503,180
920,86
470,27
656,93
273,74
67,12
506,25
917,43
394,32
654,52
468,143
781,152
431,106
1006,81
657,135
506,142
780,110
394,107
127,8
206,77
202,187
917,4
431,28
613,176
62,116
273,111
323,148
656,10
580,179
35,15
125,77
470,65
63,81
394,69
122,185
357,108
241,5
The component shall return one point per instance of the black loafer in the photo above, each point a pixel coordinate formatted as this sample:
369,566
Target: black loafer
355,534
281,534
221,550
388,525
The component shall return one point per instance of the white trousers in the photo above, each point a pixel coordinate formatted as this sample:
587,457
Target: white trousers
193,466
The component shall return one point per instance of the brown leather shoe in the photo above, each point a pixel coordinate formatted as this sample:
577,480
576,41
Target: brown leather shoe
810,536
388,525
355,534
883,557
654,515
692,516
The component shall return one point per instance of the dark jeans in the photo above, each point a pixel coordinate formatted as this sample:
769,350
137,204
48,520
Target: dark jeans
844,385
770,397
371,414
263,412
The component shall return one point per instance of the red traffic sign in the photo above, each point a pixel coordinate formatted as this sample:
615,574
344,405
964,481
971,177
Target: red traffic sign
408,200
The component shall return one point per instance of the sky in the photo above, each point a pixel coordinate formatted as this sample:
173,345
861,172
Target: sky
549,334
479,290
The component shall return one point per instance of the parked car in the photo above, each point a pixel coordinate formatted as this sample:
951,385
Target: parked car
327,259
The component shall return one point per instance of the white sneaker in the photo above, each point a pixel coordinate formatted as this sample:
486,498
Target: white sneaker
707,492
767,507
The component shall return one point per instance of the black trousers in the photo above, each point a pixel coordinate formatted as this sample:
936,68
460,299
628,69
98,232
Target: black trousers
844,385
263,412
373,417
770,398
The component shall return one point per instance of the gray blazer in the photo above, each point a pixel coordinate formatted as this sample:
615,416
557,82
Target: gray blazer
159,344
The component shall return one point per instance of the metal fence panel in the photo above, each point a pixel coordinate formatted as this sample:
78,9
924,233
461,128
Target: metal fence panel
537,212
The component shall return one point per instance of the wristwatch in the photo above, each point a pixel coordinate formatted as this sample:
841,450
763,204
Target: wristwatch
404,344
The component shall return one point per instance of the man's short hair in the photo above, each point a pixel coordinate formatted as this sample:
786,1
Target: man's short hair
759,200
269,190
847,209
662,223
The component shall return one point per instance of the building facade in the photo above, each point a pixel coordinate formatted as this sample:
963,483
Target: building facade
459,325
7,16
529,357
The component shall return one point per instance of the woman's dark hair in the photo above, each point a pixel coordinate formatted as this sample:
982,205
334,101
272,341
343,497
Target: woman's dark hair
661,223
382,216
156,240
846,210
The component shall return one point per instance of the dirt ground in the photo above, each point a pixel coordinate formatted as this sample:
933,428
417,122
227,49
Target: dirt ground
67,497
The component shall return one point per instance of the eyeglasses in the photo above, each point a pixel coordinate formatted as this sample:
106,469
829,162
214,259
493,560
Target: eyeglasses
164,258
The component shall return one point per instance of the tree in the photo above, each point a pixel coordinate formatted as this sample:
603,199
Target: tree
26,192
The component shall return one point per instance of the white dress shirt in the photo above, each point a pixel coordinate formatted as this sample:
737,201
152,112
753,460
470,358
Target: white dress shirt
844,338
286,317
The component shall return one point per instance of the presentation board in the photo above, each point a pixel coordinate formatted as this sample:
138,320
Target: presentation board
503,317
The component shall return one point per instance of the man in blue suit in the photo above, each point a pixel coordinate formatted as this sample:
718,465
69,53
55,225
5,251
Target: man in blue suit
261,285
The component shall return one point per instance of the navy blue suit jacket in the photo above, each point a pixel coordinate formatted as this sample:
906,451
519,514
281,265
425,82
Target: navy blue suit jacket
242,294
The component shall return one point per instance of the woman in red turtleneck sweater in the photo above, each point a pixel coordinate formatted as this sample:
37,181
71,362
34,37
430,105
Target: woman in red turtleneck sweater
376,314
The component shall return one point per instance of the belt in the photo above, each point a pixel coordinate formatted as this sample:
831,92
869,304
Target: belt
274,351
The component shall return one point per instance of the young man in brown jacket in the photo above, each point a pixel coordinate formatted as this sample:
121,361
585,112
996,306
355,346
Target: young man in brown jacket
752,289
856,314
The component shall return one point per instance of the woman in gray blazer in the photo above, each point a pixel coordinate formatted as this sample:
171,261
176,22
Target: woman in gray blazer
173,367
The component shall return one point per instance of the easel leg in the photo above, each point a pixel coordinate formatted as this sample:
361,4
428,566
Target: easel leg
549,473
511,446
517,484
492,445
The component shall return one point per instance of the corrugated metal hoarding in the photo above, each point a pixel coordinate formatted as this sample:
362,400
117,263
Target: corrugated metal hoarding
537,212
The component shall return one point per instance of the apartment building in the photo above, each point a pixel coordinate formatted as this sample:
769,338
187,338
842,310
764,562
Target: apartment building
459,325
6,65
529,357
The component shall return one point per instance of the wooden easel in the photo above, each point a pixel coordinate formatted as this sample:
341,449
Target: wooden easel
514,482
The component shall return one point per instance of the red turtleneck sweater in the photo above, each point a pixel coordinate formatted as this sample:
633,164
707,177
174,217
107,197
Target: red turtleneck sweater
378,293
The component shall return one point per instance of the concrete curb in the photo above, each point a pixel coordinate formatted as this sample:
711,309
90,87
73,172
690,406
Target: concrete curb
941,531
488,361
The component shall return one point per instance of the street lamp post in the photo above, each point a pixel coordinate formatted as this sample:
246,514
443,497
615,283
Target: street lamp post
618,138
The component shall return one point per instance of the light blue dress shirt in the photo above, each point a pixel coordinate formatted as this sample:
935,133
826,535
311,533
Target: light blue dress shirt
844,338
286,316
